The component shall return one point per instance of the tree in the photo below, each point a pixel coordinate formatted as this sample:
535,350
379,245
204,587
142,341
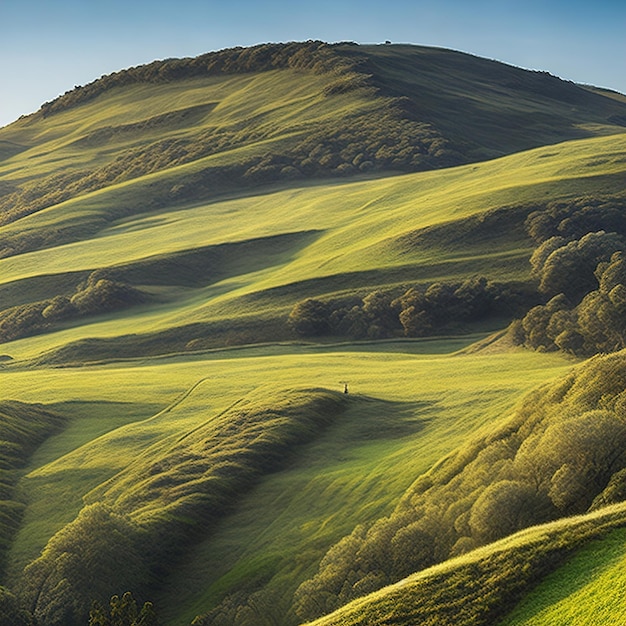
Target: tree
570,268
89,558
123,612
473,298
415,322
505,507
11,613
377,305
309,317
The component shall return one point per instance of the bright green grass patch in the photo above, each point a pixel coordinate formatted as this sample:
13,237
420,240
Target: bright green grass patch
166,496
357,215
272,99
588,590
360,225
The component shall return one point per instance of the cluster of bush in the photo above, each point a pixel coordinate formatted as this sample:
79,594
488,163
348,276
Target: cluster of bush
581,270
416,312
563,453
94,296
596,324
11,611
123,612
27,240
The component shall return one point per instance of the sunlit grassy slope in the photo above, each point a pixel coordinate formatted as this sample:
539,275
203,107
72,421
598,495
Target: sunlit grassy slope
399,423
313,240
225,266
577,592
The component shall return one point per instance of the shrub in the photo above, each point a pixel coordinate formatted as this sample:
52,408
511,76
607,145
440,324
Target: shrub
569,268
309,318
11,613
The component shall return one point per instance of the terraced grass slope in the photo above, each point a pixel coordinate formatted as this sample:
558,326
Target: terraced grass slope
198,255
229,272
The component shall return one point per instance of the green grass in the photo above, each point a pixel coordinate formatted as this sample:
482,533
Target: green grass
423,407
170,493
589,589
363,230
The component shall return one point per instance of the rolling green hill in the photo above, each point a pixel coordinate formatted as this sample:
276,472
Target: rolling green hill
198,255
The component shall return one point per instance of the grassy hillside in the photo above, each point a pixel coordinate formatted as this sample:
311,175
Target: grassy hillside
242,118
554,458
561,454
196,256
353,473
230,271
480,587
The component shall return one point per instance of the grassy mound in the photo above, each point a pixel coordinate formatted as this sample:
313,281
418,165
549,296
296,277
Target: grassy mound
144,519
481,587
23,427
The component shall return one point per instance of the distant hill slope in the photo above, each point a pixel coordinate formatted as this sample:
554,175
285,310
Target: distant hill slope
278,112
230,271
488,107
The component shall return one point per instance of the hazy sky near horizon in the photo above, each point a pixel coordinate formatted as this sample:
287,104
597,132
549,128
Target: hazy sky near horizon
49,46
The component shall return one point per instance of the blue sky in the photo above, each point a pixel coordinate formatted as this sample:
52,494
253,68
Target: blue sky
48,46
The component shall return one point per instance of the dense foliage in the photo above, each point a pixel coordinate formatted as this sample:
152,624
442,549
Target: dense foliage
11,613
583,273
123,612
480,589
419,311
562,453
94,296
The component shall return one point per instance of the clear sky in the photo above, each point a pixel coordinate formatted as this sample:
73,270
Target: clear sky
49,46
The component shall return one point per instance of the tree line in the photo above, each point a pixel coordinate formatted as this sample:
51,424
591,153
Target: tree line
96,295
121,611
580,269
418,311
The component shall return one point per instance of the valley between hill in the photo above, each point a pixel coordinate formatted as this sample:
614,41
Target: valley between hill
198,255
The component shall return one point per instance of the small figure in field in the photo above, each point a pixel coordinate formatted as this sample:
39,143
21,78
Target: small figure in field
345,387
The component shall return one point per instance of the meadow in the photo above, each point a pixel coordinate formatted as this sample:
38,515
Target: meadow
397,425
169,427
